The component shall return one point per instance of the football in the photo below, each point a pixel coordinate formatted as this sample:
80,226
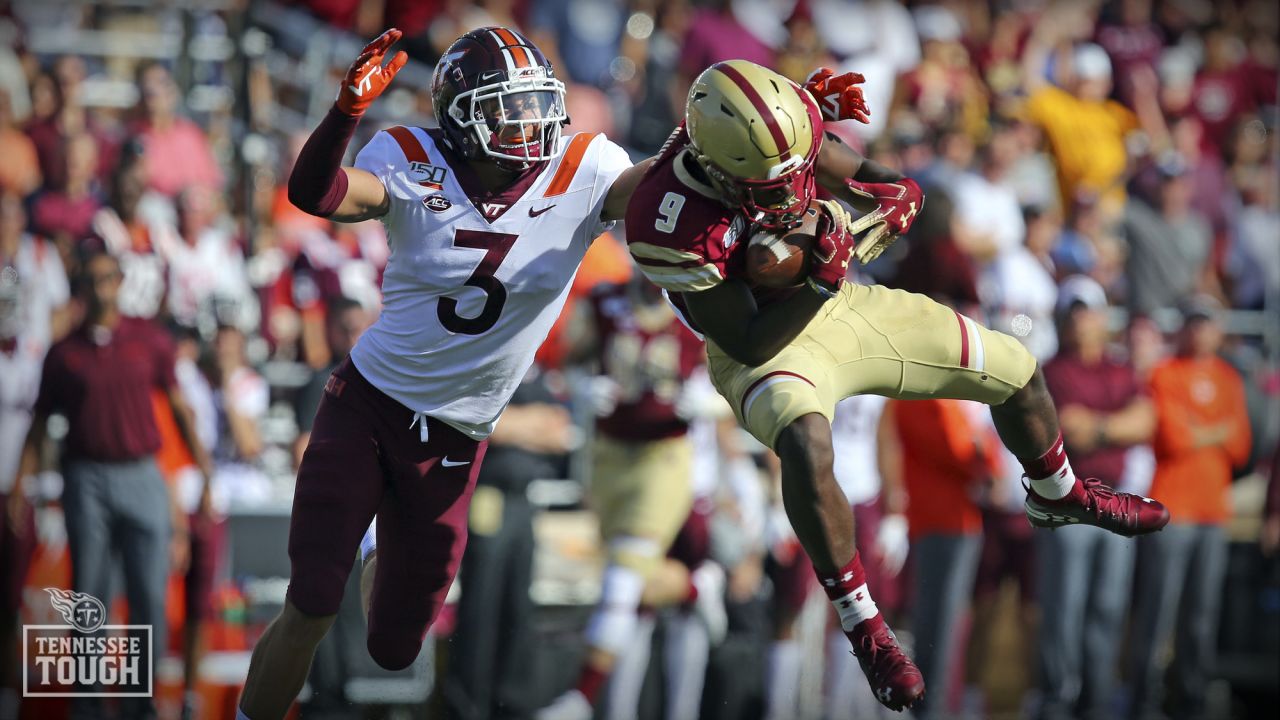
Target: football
780,259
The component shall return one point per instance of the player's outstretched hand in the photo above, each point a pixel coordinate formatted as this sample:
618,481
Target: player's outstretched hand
368,77
831,252
897,206
838,96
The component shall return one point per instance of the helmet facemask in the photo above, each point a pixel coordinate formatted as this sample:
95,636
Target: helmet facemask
515,122
776,203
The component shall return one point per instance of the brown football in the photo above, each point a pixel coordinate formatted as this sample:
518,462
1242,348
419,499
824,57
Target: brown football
780,259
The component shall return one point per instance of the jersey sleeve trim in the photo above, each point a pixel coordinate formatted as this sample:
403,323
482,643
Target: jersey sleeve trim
649,251
569,164
409,145
675,270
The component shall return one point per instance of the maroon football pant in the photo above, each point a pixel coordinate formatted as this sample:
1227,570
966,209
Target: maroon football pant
365,457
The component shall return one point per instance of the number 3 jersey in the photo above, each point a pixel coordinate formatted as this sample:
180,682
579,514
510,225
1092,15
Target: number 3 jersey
475,281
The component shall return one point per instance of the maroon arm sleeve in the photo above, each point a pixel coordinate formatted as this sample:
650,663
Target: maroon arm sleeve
317,184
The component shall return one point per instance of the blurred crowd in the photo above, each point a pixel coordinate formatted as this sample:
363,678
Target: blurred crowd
1102,182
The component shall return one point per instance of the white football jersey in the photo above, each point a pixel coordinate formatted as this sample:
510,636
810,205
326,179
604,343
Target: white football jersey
468,296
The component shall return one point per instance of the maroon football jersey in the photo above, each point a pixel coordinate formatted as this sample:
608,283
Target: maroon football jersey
682,236
650,354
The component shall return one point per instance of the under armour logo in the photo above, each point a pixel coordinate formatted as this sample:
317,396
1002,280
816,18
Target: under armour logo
906,216
885,695
858,597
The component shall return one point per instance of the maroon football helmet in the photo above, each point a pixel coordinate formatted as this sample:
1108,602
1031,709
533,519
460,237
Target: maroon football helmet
496,96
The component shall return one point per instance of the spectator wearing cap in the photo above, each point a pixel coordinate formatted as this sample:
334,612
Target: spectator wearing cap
1169,243
1202,437
176,151
100,378
1087,133
1086,573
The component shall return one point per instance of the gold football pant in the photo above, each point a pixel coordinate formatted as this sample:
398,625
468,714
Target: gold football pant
870,339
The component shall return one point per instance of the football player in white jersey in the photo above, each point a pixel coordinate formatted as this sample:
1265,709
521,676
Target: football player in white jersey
488,218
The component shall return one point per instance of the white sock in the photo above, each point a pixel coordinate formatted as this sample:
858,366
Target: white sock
627,679
855,607
686,647
1058,484
612,625
783,680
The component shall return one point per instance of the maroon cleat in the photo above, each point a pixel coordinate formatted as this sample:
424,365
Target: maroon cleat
894,679
1092,503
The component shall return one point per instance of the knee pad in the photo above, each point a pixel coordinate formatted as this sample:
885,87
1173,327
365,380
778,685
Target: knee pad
614,622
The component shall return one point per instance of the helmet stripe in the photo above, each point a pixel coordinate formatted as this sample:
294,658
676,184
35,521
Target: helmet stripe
771,122
521,56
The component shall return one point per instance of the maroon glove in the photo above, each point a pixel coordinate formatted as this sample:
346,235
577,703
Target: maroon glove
897,205
830,255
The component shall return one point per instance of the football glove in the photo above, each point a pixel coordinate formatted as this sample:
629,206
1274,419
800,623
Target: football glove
367,77
832,249
838,96
897,206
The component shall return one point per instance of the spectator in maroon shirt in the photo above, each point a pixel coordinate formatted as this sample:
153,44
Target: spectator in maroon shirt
1134,43
68,118
1086,574
65,215
1224,89
101,378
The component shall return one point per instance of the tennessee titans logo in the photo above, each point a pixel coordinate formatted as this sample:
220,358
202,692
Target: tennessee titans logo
82,611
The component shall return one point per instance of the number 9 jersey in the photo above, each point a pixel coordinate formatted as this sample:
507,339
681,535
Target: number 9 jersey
475,280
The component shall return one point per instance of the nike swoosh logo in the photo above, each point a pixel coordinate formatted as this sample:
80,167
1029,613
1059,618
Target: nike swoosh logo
453,463
536,213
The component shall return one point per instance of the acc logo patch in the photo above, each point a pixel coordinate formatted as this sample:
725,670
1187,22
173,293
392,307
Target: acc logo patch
426,175
437,203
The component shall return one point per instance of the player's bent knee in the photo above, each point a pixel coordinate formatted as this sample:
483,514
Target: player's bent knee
806,443
394,650
301,627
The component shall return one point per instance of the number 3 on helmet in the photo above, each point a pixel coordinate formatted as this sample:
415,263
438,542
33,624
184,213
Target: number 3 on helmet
496,97
756,134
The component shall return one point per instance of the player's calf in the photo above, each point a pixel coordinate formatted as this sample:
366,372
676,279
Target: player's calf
280,663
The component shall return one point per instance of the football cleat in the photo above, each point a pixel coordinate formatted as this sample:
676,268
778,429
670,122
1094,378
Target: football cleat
1091,502
895,680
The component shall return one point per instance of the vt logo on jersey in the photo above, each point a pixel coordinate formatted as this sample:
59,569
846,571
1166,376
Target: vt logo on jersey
428,176
437,203
492,209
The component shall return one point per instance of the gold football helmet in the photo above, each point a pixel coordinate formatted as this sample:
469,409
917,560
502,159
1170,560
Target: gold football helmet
756,134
